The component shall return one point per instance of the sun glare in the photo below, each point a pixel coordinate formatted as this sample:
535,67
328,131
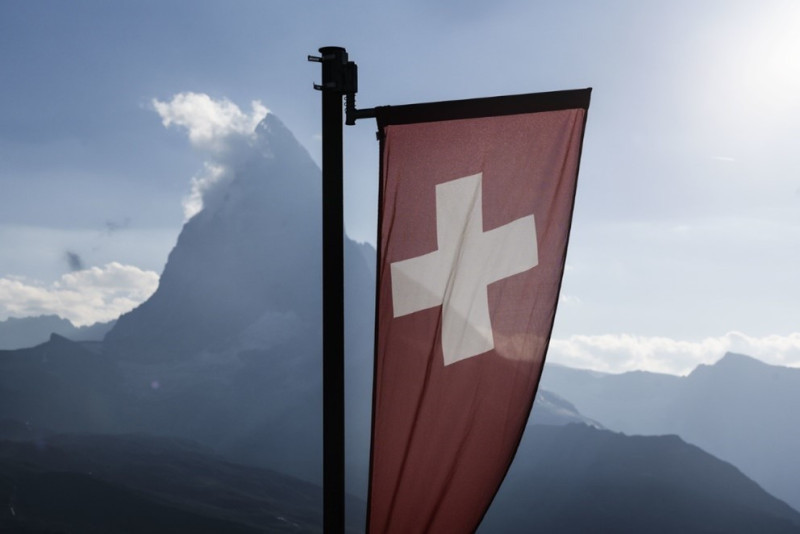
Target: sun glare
754,68
770,58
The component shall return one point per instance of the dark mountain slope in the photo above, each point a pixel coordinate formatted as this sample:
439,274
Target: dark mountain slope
137,483
739,409
576,479
566,479
60,385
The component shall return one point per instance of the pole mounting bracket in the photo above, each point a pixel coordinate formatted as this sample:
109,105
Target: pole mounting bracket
340,75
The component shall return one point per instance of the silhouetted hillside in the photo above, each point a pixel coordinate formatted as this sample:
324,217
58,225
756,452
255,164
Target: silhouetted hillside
19,333
577,479
60,385
568,479
739,409
136,483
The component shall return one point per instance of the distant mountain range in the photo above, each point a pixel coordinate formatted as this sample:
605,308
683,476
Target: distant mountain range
550,409
227,354
261,407
739,409
18,333
578,479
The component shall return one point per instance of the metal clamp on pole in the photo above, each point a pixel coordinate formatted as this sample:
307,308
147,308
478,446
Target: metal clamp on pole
341,76
338,74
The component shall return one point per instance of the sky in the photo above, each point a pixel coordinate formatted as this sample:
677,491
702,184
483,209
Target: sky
686,234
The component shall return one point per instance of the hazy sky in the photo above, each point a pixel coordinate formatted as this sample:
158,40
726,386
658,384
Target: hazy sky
686,238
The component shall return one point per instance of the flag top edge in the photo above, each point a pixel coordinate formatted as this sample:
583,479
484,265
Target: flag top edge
483,107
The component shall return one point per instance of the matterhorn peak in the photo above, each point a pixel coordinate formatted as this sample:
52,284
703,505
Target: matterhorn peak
253,249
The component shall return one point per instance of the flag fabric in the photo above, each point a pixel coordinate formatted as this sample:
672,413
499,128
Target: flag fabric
476,203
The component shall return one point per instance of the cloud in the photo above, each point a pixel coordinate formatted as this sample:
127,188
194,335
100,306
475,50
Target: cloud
219,130
202,183
617,353
84,297
209,123
73,260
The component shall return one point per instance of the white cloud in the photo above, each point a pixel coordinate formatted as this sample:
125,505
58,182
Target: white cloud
219,130
209,122
618,353
84,297
193,202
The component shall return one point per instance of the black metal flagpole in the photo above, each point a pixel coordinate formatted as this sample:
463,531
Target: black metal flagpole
339,79
334,86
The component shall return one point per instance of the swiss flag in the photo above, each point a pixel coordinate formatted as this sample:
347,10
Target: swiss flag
476,205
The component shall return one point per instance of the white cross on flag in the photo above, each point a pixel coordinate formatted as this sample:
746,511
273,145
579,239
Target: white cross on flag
475,212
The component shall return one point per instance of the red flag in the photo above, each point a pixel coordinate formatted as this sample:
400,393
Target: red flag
476,204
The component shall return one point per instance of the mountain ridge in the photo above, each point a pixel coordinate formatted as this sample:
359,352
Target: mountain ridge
24,332
738,409
576,478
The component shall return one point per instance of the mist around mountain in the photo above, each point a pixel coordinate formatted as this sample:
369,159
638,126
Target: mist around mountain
22,332
550,409
739,409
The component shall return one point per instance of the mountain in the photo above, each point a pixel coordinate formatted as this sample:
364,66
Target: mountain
739,409
569,479
61,385
137,483
550,409
246,266
17,333
228,349
576,479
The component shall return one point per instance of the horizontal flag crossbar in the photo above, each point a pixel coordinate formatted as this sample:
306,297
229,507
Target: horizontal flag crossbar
478,107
